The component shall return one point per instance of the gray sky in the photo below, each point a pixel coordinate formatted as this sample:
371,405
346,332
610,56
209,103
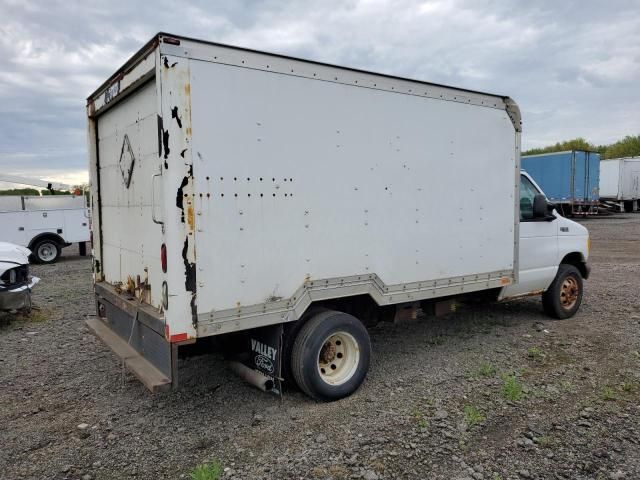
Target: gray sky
573,66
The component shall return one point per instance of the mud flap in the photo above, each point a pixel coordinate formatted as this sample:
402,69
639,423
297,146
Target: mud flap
265,353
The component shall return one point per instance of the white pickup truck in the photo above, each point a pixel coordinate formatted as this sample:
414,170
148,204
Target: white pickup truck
281,206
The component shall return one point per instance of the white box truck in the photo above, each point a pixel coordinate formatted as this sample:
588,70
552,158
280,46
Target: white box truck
45,224
620,181
283,205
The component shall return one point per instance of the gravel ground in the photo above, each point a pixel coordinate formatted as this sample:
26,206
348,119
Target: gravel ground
491,392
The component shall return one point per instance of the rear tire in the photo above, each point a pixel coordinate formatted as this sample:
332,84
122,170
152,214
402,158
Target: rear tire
331,355
46,251
564,296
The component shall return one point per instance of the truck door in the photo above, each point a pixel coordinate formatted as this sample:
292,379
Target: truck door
538,253
129,162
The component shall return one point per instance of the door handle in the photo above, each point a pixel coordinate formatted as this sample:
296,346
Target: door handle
153,199
21,229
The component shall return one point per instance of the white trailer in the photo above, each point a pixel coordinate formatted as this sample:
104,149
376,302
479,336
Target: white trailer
286,204
620,181
45,224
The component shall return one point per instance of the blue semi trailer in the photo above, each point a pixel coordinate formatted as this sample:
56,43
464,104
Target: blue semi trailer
570,179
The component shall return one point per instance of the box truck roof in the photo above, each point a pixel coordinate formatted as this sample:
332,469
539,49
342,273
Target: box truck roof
171,39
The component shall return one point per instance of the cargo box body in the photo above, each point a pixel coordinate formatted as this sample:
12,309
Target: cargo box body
620,179
273,182
570,177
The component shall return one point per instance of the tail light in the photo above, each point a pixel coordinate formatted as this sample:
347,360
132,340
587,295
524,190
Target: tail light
163,257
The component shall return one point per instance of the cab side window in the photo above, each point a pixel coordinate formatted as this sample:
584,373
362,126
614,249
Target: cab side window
527,194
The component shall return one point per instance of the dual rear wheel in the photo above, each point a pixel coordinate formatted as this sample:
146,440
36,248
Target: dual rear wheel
330,355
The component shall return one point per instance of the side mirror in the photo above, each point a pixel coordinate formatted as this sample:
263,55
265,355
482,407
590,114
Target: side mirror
539,206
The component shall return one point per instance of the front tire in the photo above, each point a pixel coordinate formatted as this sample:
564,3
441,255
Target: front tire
564,296
331,355
46,251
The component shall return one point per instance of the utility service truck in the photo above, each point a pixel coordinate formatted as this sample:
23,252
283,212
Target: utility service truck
45,224
283,205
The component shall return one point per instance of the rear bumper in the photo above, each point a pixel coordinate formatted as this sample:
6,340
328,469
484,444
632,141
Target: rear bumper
135,333
18,297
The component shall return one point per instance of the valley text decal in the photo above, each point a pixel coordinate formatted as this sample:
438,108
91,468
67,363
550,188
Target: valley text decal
265,359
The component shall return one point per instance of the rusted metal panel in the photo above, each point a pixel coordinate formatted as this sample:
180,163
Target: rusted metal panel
179,195
132,307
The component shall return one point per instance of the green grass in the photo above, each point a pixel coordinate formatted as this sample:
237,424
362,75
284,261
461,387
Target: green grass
608,394
628,386
535,353
545,441
487,370
472,415
207,471
35,315
512,389
419,416
566,385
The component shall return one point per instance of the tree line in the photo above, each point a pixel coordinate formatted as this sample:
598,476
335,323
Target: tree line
629,146
31,191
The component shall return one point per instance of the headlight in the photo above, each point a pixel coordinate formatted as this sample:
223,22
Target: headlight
12,277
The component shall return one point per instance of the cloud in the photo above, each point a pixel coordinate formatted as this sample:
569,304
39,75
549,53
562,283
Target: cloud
573,66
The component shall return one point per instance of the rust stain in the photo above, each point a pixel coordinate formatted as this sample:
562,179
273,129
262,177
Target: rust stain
190,217
188,131
187,88
130,287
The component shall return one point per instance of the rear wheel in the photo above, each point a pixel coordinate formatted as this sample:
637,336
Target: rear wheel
330,355
46,251
564,296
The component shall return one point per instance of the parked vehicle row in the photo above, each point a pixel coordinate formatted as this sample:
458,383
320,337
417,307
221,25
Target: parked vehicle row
579,182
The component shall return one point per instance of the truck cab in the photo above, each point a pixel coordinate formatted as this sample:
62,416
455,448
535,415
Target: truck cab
553,254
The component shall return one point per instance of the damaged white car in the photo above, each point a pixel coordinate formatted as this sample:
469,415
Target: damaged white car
15,281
